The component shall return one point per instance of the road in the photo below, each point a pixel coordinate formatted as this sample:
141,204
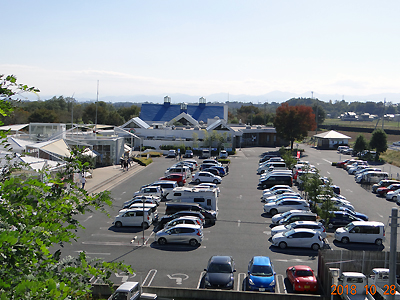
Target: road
242,230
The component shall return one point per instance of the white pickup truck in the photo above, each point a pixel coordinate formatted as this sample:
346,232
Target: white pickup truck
378,282
351,286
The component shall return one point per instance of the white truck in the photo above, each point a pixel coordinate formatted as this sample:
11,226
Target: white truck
351,286
378,283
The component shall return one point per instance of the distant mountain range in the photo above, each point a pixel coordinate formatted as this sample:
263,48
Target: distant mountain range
275,96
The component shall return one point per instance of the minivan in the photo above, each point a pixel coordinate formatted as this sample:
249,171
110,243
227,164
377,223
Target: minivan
277,165
274,179
134,217
166,186
361,232
173,207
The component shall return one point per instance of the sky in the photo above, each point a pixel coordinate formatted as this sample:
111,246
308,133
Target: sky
203,47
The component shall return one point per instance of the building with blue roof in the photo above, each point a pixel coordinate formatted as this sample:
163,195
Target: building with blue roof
167,112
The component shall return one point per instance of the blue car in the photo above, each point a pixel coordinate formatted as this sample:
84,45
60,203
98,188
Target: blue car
261,275
354,213
220,169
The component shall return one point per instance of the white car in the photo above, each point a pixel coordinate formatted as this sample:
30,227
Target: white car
275,219
393,195
284,205
206,177
149,191
223,154
184,220
302,237
285,193
316,226
276,187
276,192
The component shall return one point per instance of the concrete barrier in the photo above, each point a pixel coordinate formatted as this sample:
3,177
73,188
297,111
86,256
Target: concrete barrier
203,294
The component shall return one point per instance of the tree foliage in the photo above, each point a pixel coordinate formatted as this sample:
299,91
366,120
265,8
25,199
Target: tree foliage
360,144
36,219
294,122
378,142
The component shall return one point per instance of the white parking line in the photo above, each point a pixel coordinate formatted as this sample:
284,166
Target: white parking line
200,278
154,271
238,223
240,281
149,237
327,161
283,284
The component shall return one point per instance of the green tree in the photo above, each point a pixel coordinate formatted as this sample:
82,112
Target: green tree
378,142
36,219
129,112
43,115
294,122
360,144
318,110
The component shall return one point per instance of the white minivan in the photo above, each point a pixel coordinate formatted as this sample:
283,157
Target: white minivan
361,232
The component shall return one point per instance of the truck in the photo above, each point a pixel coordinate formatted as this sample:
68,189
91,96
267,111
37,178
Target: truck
131,291
351,286
378,284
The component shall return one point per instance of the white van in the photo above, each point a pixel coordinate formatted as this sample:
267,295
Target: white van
361,232
207,198
134,217
151,207
374,177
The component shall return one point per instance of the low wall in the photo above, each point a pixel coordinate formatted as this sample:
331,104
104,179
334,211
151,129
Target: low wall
203,294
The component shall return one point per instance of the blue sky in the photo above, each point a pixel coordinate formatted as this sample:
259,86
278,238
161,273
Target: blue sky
202,47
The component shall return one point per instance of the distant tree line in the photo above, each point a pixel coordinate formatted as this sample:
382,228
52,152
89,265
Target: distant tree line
59,110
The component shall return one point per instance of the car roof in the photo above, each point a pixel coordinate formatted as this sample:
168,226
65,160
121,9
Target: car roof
261,260
307,223
127,286
301,267
185,226
164,181
304,230
221,259
370,223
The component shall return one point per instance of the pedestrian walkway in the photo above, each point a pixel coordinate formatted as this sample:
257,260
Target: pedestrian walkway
106,178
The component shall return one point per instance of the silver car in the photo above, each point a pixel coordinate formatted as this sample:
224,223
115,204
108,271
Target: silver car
316,226
182,233
184,220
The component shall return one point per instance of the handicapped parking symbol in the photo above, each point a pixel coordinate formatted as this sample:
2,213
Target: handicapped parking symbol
179,277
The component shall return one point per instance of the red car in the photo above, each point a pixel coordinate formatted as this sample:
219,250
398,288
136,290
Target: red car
302,278
179,178
342,163
382,191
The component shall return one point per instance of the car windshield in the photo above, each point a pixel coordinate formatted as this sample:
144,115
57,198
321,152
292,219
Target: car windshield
261,271
287,233
120,296
289,226
348,226
219,268
304,273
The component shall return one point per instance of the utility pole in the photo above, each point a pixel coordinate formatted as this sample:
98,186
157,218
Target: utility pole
393,250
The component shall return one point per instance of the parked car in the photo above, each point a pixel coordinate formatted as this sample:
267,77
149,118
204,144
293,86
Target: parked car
134,217
276,178
165,219
223,154
361,232
260,275
267,157
171,153
149,191
210,216
302,237
212,161
302,278
182,233
284,205
393,195
188,154
276,218
193,162
141,199
354,213
219,273
212,171
178,177
316,226
340,218
383,183
206,177
276,187
220,169
178,170
382,191
184,220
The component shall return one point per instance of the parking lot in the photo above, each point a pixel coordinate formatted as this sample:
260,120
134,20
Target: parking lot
242,229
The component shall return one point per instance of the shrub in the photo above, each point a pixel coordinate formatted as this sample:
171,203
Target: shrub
334,164
224,160
142,161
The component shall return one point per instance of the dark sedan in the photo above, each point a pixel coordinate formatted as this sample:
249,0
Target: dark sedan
340,219
219,273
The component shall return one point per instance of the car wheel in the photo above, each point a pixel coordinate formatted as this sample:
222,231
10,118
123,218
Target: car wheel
180,183
282,245
394,198
378,242
215,181
273,211
330,225
144,225
193,243
162,241
197,181
345,240
118,224
315,247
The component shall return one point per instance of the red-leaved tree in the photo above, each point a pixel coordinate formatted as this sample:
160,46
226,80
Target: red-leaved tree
294,122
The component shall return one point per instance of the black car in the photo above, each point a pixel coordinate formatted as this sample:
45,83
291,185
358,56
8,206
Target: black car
174,207
267,157
340,219
219,273
165,219
212,171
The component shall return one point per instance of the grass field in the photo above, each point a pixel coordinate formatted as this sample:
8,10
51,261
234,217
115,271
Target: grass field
365,124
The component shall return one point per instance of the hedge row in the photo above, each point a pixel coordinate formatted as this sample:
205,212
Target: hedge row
142,161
